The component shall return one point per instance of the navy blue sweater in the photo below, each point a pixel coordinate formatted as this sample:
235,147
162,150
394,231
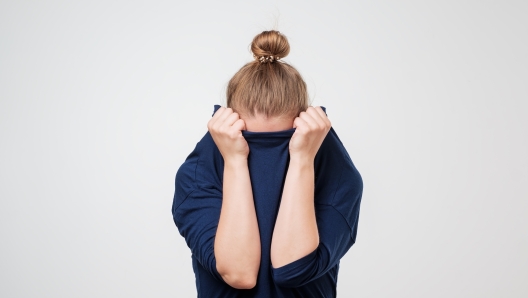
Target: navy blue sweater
198,200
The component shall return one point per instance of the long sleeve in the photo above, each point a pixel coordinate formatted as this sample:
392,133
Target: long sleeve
197,204
198,200
197,219
338,193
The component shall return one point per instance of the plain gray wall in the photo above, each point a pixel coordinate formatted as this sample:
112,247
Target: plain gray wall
101,101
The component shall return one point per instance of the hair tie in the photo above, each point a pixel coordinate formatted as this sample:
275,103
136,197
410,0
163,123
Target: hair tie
266,59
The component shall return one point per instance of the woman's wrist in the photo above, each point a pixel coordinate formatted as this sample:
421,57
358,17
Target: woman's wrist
301,160
236,162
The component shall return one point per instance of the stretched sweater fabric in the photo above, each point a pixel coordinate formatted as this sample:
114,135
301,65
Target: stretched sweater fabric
198,200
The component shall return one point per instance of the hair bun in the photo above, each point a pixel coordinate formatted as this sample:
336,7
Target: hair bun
269,46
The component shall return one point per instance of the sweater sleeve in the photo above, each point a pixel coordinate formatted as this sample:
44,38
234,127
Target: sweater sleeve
337,218
197,220
334,241
196,212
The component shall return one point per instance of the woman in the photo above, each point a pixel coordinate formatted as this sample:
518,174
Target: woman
268,202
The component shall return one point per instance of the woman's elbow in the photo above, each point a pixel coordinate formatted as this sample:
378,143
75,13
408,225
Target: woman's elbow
239,274
241,281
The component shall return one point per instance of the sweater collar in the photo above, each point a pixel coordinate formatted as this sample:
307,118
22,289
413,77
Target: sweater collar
268,134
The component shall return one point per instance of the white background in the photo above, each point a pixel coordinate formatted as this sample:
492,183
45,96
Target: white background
101,101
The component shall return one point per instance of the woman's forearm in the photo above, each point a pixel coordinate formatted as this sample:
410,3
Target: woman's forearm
295,234
237,242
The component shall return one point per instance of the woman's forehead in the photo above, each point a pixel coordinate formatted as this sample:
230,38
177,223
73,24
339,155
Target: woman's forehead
259,122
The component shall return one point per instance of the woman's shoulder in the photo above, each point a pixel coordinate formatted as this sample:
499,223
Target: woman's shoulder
336,175
333,153
202,165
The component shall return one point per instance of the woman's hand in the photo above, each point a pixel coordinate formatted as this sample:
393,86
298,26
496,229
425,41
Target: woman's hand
312,127
226,129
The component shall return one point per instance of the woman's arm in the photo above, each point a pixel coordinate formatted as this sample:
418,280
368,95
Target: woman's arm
295,234
237,240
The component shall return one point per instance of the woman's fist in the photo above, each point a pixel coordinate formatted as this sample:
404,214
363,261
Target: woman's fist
226,129
311,128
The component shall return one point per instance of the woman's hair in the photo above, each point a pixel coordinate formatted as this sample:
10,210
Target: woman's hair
267,85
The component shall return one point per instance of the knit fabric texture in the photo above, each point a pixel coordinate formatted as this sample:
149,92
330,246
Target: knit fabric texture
198,201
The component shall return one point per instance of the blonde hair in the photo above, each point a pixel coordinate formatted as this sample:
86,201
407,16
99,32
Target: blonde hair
267,85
